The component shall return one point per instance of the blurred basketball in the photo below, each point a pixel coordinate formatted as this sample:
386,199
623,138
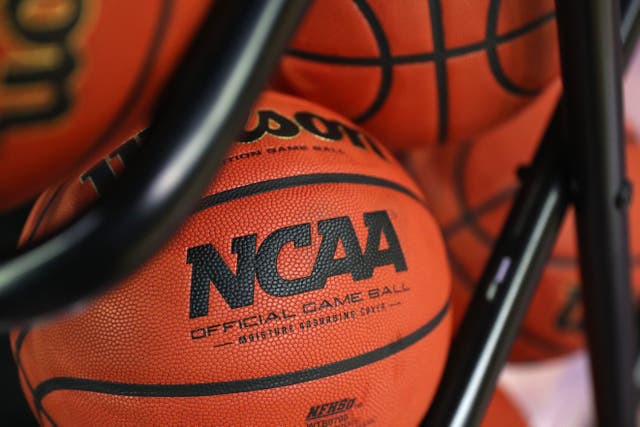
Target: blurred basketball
470,188
502,412
76,78
309,287
414,72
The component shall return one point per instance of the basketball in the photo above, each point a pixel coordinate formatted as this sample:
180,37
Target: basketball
470,187
77,75
309,287
415,72
502,412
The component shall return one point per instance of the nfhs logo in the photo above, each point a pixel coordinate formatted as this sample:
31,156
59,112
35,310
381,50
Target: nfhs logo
331,408
237,289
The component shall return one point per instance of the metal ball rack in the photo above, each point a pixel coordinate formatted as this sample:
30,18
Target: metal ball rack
579,162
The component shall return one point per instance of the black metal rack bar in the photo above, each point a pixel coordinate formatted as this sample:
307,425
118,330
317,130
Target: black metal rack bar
591,68
201,113
486,334
225,71
502,295
629,28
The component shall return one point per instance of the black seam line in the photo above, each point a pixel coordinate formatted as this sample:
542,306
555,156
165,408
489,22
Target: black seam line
563,261
53,423
240,386
458,269
41,215
459,193
532,338
121,115
301,181
494,60
507,37
482,209
440,62
468,219
141,79
386,66
134,94
18,346
528,27
20,340
426,56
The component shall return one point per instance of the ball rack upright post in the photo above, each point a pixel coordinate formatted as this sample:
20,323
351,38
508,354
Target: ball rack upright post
503,293
488,330
590,48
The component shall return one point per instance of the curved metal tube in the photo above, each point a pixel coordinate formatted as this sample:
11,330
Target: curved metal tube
201,113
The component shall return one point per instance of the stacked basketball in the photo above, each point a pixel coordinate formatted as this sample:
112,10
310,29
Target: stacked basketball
311,285
470,198
78,77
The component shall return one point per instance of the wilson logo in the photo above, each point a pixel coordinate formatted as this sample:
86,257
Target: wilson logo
103,174
331,408
38,65
261,264
271,122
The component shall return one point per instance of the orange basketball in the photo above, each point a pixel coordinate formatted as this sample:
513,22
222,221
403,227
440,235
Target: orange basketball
413,72
310,287
470,187
502,413
77,75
